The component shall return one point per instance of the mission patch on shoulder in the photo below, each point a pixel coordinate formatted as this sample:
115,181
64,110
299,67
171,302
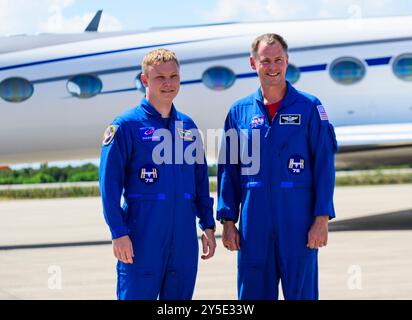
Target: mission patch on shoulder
109,134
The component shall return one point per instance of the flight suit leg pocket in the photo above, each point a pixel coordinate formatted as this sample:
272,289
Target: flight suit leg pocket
137,284
251,280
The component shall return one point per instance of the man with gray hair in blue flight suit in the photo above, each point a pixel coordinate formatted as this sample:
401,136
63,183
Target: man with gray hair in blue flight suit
286,206
154,232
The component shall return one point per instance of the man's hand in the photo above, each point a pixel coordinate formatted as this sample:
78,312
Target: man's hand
209,244
230,236
123,249
318,234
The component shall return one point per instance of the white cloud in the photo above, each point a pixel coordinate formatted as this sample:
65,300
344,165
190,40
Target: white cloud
227,10
231,9
22,16
58,23
239,10
279,10
255,10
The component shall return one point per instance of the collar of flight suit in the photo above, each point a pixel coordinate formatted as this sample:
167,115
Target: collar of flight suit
151,111
288,99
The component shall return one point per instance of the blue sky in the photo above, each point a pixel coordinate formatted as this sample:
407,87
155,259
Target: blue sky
34,16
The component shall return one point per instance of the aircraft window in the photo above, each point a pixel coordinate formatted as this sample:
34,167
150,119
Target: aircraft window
218,78
16,89
139,84
347,70
402,67
84,86
292,73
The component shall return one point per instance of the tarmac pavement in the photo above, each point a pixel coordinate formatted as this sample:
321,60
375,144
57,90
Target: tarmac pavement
60,249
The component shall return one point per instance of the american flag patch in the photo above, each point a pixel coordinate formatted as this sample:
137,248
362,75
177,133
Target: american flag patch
322,112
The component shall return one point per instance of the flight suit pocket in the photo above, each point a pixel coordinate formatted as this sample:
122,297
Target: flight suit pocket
253,184
191,203
296,184
289,135
250,186
251,277
136,284
141,206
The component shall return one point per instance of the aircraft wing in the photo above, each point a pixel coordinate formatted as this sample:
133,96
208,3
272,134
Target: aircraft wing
374,145
375,136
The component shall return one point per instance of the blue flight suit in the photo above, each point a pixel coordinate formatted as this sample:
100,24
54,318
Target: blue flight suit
295,184
161,202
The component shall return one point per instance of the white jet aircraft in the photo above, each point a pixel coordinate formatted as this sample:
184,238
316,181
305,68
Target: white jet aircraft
58,93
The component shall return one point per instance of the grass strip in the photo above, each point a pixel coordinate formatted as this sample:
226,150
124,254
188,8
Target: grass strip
75,192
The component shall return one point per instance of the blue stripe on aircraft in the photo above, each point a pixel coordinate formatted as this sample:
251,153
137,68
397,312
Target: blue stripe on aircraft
246,75
191,81
319,47
107,52
134,89
313,68
317,67
378,61
118,91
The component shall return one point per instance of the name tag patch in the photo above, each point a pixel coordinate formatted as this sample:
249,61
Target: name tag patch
290,119
149,174
257,121
296,164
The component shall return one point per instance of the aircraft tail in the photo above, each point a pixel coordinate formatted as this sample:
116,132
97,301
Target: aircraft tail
94,24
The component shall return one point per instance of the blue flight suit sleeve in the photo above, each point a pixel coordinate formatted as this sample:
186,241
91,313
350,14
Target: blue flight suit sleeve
112,169
228,180
204,203
323,146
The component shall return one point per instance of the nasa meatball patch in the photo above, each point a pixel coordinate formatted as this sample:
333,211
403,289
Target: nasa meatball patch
146,133
109,135
296,164
149,174
257,121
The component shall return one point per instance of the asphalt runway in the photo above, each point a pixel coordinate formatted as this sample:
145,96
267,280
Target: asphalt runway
60,249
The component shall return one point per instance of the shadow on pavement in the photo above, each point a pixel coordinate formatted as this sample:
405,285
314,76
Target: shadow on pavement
399,220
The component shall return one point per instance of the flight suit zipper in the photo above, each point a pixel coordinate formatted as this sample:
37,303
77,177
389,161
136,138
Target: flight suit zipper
270,176
176,182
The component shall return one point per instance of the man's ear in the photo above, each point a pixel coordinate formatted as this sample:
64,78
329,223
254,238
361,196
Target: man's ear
143,79
252,62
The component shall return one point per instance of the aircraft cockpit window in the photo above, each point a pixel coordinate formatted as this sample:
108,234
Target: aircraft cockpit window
16,89
84,86
347,70
292,73
218,78
402,67
139,84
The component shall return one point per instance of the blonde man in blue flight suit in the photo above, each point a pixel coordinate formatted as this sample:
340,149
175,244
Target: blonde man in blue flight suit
154,232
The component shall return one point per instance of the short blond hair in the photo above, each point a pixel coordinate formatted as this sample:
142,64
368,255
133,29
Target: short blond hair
158,56
268,38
